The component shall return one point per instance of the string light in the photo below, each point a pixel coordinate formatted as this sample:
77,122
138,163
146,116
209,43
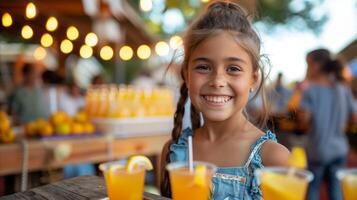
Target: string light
106,53
144,52
176,42
27,32
145,5
126,53
66,46
31,10
86,51
91,39
162,48
51,24
6,19
46,40
72,33
39,53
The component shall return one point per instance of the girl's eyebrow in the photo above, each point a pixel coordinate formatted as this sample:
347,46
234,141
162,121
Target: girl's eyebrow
235,59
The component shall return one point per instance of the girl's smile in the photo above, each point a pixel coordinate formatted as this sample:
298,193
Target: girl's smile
216,99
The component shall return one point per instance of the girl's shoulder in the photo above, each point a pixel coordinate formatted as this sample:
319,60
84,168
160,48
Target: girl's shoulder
274,154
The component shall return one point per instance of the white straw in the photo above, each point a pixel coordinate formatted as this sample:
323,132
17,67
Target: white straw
190,154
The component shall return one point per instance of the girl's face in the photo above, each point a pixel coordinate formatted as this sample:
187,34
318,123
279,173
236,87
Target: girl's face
219,76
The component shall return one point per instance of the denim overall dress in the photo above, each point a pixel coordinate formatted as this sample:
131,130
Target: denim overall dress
229,183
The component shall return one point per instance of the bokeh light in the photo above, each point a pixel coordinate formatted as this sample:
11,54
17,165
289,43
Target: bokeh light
144,52
86,51
72,33
91,39
6,19
46,40
106,53
162,48
66,46
126,53
51,24
30,10
26,32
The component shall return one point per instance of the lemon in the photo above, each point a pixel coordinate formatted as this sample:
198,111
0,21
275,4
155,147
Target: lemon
200,175
136,162
297,158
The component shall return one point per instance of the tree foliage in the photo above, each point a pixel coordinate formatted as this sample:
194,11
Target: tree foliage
301,15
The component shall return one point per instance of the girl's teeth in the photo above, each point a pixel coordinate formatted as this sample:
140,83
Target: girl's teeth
218,99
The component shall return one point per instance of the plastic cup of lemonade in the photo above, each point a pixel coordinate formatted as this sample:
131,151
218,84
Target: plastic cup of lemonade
125,179
195,184
278,183
348,179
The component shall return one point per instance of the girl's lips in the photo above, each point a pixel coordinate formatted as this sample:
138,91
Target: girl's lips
217,100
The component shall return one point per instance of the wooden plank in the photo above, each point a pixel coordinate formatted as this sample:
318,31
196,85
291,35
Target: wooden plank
92,149
84,187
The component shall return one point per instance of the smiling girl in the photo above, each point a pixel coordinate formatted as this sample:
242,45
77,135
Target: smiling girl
221,68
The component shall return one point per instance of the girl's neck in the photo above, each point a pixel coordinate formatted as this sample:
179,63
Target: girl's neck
215,131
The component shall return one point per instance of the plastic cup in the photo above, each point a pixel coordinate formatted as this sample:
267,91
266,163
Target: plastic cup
195,184
278,183
348,179
122,184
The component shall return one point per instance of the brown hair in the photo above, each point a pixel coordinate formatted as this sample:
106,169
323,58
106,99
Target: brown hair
220,16
327,63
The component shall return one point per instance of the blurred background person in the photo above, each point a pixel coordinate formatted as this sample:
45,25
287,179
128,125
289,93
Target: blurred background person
27,102
325,109
51,86
71,99
279,96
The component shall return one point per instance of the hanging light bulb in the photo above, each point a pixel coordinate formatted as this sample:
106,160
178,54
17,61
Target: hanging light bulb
72,33
39,53
145,5
176,42
86,51
46,40
205,1
106,53
30,10
126,53
6,19
51,24
162,48
144,52
27,32
91,39
66,46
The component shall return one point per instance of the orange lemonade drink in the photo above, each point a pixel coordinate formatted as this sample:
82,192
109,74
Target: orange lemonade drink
282,183
125,180
195,184
348,178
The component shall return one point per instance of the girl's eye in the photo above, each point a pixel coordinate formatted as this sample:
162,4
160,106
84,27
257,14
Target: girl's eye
233,69
202,68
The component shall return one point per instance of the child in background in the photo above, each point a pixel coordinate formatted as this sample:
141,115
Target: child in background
221,67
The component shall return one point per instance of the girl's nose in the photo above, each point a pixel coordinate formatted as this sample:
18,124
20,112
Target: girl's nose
218,80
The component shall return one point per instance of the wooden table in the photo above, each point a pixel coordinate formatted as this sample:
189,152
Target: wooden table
84,187
41,153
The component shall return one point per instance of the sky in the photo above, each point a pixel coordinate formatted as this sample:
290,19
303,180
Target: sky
286,49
